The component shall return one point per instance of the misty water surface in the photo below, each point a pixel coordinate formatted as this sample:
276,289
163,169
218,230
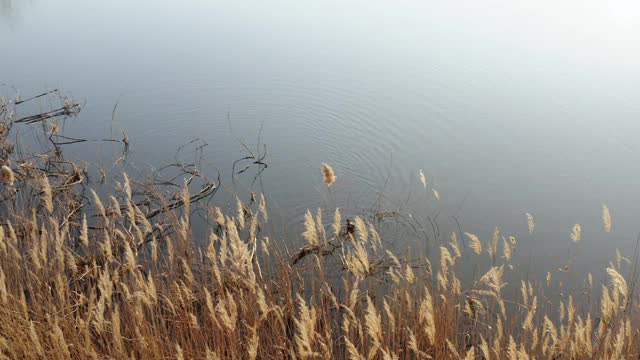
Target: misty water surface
508,107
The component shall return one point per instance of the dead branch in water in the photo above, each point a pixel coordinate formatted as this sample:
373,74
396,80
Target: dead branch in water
47,177
69,108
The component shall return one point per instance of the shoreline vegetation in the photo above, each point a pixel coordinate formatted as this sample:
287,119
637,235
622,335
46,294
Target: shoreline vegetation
120,275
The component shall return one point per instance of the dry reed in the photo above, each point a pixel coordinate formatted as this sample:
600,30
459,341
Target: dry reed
98,282
328,176
423,179
606,218
576,233
111,299
530,223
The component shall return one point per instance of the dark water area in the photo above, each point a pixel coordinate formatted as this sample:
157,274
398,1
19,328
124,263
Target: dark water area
508,107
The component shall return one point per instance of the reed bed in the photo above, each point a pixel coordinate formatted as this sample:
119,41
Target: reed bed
94,276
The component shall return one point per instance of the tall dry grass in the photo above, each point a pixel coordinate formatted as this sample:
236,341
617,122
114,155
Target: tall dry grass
113,289
117,280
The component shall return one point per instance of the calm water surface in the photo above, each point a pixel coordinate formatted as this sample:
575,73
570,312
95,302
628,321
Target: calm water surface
509,107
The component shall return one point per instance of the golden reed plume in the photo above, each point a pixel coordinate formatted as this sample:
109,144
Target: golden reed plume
6,175
328,176
606,218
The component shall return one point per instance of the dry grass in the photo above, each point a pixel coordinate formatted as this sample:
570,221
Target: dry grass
110,281
86,293
576,232
328,176
606,218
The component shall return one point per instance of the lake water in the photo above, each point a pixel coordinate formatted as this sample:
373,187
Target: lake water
509,107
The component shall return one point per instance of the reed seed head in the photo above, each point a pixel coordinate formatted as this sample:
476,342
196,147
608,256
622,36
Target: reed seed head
328,176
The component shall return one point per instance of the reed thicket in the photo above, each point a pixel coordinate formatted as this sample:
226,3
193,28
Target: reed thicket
114,289
88,276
